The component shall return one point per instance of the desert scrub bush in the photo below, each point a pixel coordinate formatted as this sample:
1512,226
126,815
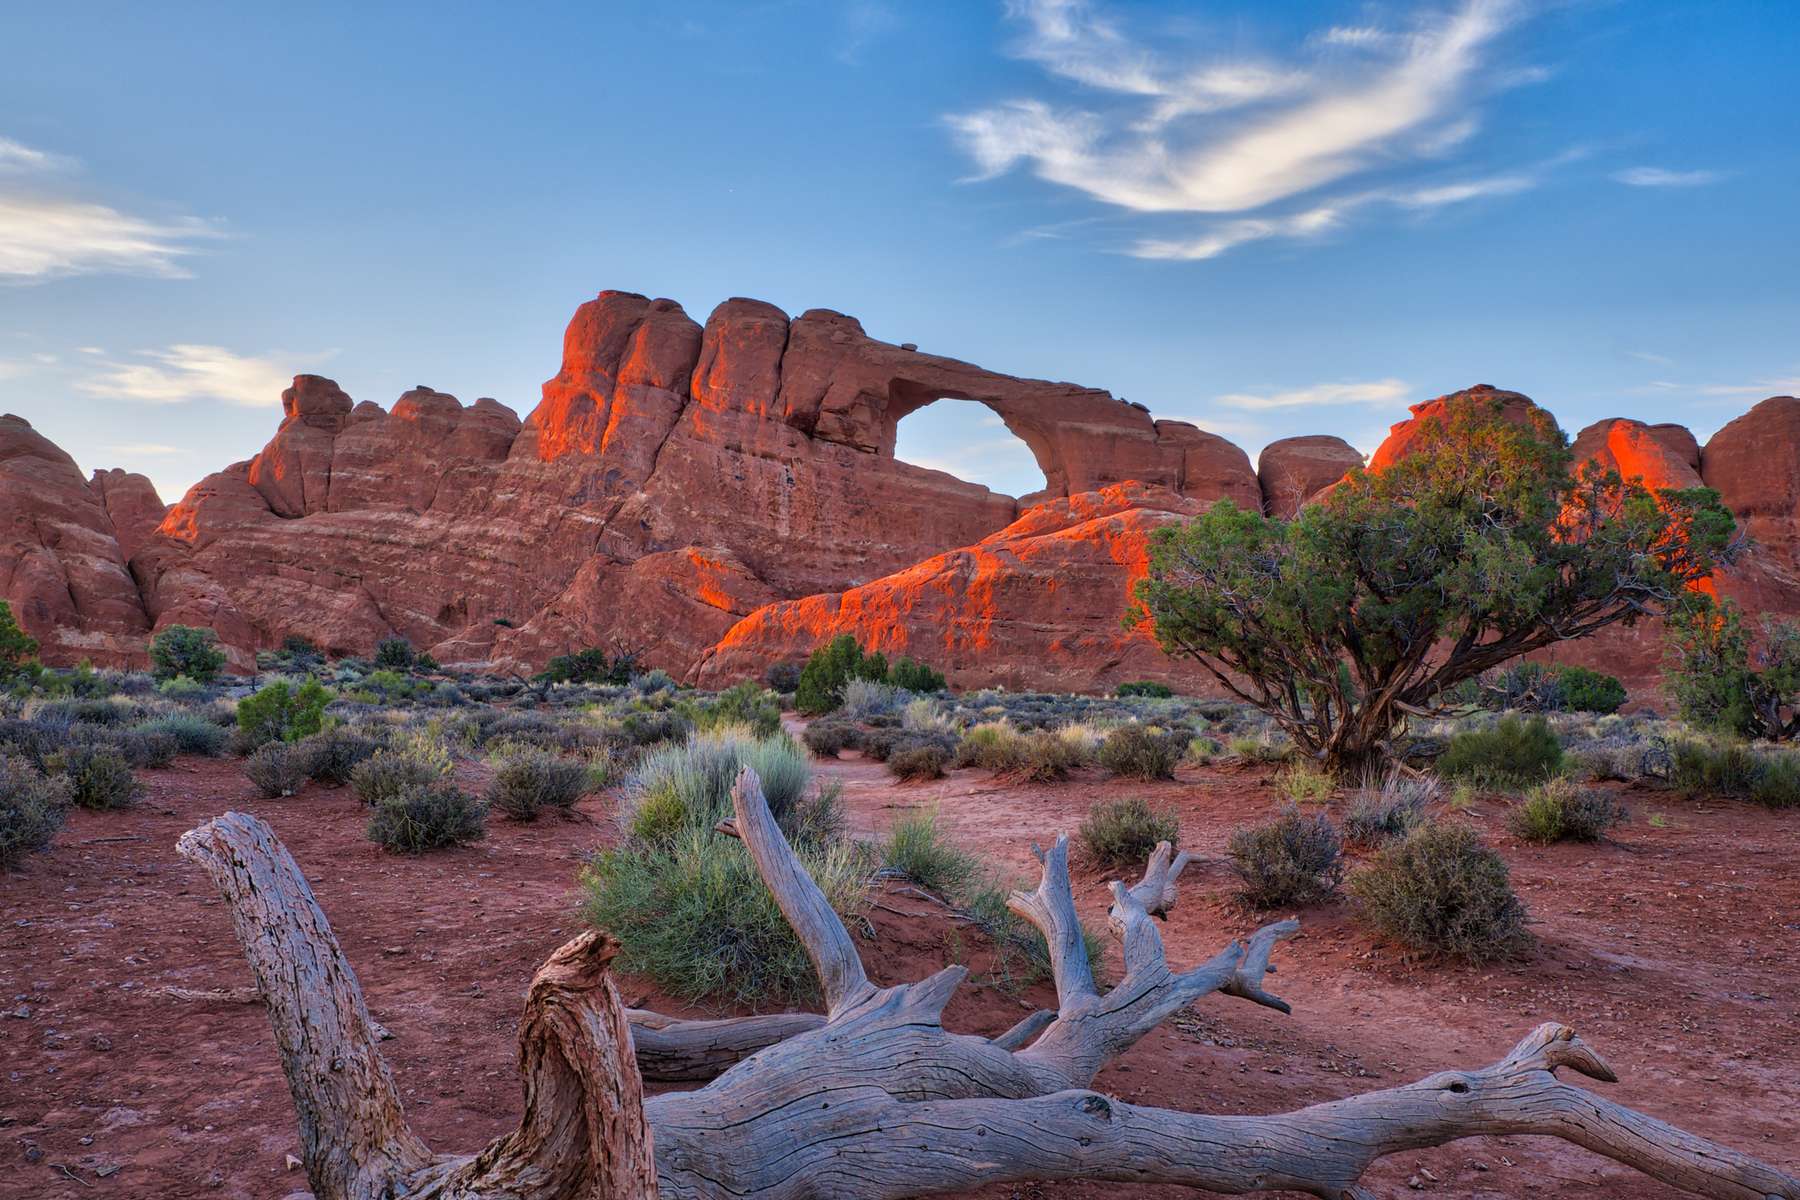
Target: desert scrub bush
1587,690
97,776
1201,751
1559,810
1303,782
922,760
332,755
1725,767
744,704
185,650
278,768
1144,687
1138,752
1046,757
925,715
1440,890
1386,809
917,849
828,737
146,747
642,728
991,744
693,915
783,678
866,698
836,663
32,809
1120,834
426,816
183,690
1727,681
651,682
678,788
1294,859
395,654
1513,753
1260,747
18,650
916,677
390,773
193,733
531,782
283,713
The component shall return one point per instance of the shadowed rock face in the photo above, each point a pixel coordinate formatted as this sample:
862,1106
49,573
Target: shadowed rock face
718,497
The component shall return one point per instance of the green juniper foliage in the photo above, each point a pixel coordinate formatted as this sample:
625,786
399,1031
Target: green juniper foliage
18,649
185,650
1477,546
1723,681
837,662
281,713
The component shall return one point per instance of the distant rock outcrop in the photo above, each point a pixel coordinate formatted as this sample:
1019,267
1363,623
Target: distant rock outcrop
717,497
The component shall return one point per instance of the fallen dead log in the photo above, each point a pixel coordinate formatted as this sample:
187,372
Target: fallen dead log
874,1098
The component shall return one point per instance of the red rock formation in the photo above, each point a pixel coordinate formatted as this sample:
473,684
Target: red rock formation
1293,470
1754,462
1655,456
1036,605
725,493
131,502
61,567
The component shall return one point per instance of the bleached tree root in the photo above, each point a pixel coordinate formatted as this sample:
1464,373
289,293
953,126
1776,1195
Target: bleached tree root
875,1099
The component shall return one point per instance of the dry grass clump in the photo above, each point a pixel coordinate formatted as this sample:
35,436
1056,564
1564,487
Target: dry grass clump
1294,859
1120,834
1440,890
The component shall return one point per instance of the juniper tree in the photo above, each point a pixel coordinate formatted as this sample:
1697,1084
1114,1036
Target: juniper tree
1480,545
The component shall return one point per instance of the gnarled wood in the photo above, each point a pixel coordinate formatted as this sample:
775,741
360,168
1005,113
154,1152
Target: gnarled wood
879,1101
583,1133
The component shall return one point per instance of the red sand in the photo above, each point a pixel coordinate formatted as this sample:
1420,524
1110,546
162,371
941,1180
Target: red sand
1674,950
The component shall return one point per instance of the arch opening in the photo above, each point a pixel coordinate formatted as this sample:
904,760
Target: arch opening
969,440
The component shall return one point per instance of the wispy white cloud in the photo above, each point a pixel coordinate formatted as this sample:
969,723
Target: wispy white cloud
1778,385
1291,128
865,22
45,236
1373,392
142,450
1660,177
187,372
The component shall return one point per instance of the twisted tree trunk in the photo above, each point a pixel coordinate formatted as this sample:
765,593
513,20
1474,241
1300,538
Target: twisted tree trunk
875,1099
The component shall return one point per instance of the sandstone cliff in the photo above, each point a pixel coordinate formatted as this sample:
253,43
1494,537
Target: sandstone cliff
718,497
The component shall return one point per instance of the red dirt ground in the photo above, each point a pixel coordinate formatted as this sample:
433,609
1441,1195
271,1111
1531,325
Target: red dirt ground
1675,950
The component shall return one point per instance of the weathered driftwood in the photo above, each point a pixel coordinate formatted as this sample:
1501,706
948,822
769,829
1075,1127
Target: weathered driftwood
875,1099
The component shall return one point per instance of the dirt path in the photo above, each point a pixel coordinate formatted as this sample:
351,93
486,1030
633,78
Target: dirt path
1673,949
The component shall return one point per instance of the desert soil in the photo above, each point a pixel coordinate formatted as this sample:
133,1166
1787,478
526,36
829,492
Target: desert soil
1674,948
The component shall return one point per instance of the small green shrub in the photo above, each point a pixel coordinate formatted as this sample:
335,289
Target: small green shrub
185,650
193,734
591,666
281,713
395,654
1046,757
391,773
994,745
182,689
277,769
923,760
1383,813
1294,859
1304,783
32,809
1699,768
535,781
866,699
1558,810
916,848
693,915
743,704
1512,753
916,677
1441,891
1121,834
827,737
1138,752
1586,690
783,678
18,649
822,680
1145,687
676,788
147,747
1777,782
428,816
98,776
333,755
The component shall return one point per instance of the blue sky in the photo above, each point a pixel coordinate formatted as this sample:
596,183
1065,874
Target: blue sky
1267,219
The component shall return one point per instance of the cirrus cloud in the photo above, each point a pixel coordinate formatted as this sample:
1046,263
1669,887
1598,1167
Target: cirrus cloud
190,371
